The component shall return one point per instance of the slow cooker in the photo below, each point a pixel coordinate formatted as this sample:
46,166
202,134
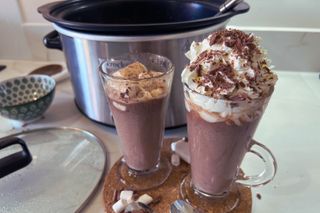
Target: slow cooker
90,30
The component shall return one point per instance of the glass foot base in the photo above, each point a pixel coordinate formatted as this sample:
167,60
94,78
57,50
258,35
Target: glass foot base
142,180
205,203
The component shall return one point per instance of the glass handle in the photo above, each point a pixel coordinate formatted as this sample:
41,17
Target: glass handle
270,167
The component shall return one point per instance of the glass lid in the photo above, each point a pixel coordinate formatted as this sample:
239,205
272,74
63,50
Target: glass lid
63,173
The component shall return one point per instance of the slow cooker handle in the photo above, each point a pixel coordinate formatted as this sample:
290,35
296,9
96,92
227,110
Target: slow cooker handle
52,40
16,161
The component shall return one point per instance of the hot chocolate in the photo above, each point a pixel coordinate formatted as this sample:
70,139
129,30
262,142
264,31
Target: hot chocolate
227,87
138,99
214,162
140,129
137,86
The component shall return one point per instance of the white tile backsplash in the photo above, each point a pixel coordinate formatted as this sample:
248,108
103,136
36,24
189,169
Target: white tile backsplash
290,50
29,11
12,39
280,13
34,34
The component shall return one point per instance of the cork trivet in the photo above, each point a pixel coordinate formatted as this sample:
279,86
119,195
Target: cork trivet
168,192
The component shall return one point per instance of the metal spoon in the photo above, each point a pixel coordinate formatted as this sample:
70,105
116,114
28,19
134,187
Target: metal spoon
180,206
229,4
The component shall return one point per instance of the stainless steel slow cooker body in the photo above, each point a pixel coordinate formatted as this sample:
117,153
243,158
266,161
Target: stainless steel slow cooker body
89,30
83,51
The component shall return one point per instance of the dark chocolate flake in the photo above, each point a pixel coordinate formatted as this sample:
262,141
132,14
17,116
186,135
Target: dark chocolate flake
232,105
245,47
230,43
259,196
156,201
241,84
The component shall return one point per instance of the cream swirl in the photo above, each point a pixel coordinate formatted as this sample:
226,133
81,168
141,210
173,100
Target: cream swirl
228,66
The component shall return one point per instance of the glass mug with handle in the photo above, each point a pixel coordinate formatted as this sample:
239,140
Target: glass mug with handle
219,135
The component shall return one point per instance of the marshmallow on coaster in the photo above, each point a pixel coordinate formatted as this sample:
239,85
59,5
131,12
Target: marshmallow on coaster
119,206
145,199
182,149
175,159
122,203
126,195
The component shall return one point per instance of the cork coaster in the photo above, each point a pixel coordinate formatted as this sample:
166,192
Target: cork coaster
169,191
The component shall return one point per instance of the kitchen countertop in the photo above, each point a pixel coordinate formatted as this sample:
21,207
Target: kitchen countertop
289,128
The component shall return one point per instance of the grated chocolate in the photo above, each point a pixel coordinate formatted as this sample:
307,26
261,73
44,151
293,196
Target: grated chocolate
232,67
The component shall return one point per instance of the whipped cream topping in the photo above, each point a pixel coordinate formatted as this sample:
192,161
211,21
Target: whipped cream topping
228,66
135,83
218,110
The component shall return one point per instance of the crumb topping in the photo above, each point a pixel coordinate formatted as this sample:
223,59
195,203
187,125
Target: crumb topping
137,83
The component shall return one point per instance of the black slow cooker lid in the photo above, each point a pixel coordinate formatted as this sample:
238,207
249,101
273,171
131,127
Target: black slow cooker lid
137,16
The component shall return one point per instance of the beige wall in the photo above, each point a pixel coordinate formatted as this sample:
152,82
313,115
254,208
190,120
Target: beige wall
22,29
281,13
29,12
288,28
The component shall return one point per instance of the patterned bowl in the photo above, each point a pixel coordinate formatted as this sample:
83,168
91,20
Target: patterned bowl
26,98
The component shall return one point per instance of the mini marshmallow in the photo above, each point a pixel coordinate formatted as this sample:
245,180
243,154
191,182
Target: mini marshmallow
119,206
129,201
145,199
126,195
181,148
175,160
133,207
119,106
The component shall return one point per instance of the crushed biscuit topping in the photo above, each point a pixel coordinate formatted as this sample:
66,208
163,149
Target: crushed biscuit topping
137,83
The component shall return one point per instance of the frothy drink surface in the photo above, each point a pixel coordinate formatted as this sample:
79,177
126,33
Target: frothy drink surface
138,102
227,85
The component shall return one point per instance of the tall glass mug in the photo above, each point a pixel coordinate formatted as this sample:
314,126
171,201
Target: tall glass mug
220,134
138,106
